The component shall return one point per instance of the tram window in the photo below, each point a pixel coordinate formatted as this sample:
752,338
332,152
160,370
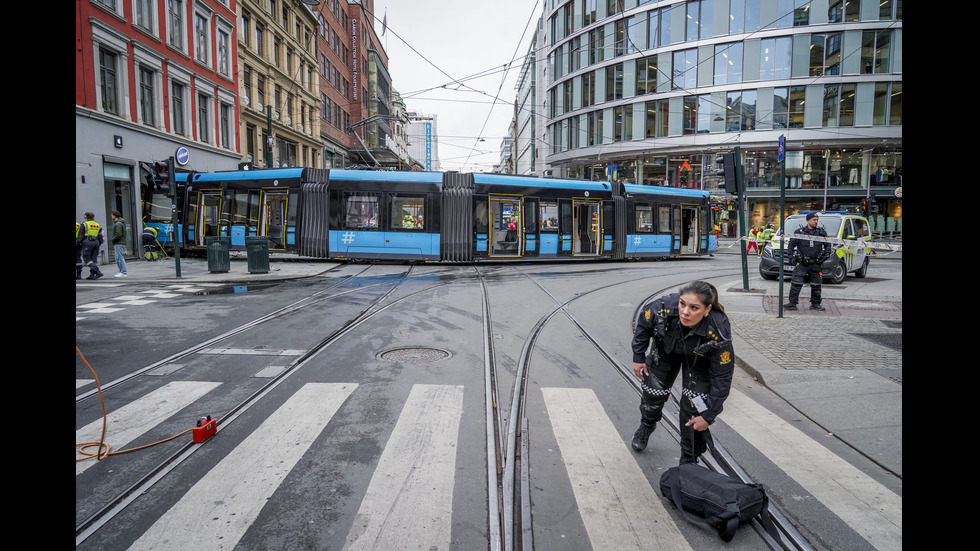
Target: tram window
239,209
549,217
361,211
644,219
663,219
407,213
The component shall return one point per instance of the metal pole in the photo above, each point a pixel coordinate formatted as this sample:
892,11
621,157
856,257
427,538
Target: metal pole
782,219
268,136
171,165
741,216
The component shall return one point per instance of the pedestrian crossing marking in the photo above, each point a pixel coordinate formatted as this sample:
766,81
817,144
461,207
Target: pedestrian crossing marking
409,500
618,506
231,495
868,507
134,419
112,305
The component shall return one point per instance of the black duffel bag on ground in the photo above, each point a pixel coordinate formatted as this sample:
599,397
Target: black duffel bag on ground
723,502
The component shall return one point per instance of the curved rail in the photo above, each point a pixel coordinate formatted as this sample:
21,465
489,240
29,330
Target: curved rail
90,525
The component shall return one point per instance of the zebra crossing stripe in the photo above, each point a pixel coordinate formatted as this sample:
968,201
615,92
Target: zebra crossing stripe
618,505
409,499
231,495
136,418
871,509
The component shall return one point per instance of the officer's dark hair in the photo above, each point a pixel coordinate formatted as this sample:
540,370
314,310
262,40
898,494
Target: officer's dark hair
706,292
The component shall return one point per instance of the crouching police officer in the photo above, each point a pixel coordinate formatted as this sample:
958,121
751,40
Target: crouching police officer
690,333
807,255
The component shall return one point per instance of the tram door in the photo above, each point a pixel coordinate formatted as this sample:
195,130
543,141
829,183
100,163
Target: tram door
690,239
272,218
587,223
506,228
208,220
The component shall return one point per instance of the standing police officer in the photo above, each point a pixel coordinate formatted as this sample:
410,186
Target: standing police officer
91,241
808,256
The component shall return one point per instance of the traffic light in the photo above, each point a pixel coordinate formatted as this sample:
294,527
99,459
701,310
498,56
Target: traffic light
865,208
725,164
163,174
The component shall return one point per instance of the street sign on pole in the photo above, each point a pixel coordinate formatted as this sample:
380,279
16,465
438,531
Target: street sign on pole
781,156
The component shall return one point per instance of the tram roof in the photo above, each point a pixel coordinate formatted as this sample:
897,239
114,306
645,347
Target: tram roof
663,190
386,176
529,181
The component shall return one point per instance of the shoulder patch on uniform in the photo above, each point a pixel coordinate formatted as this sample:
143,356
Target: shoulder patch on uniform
726,357
646,314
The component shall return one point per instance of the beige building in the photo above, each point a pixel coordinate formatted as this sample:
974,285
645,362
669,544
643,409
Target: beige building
279,84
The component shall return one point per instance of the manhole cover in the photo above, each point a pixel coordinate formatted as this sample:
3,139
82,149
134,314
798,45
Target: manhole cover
414,355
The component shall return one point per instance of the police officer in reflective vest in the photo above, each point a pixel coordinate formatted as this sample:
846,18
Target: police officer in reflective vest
92,238
79,236
808,256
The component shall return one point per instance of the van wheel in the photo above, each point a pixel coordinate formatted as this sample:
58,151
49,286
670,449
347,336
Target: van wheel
838,274
863,271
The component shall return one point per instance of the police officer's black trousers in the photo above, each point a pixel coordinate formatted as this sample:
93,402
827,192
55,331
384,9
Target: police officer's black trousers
656,391
800,272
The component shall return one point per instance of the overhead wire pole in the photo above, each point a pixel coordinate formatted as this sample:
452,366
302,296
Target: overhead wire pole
741,216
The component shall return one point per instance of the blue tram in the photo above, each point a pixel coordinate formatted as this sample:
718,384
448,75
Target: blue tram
434,216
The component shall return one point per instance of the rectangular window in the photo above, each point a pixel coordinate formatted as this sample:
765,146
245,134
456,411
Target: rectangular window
663,219
108,81
203,118
644,219
614,82
147,108
653,29
224,52
177,107
646,75
797,100
704,114
685,69
831,96
361,211
201,42
549,217
226,118
847,104
143,17
780,108
588,89
690,114
408,213
728,63
175,29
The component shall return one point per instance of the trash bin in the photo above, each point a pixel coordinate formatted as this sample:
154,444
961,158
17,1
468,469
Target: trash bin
257,249
219,257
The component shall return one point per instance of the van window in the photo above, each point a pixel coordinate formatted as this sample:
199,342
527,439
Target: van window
861,228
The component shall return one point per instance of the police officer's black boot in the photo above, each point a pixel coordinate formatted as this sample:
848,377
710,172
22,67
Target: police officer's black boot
686,458
642,436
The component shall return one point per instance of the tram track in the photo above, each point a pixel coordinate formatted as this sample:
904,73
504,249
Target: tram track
116,505
514,478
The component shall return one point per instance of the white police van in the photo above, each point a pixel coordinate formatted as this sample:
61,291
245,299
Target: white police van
850,256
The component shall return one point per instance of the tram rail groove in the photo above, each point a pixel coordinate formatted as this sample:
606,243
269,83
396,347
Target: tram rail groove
98,519
792,540
301,304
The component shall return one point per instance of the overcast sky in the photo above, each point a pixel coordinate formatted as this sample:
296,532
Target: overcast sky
452,59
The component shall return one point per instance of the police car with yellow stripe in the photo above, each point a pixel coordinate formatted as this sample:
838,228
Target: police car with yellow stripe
849,235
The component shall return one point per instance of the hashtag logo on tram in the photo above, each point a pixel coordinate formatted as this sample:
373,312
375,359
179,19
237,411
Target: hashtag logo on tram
636,240
348,238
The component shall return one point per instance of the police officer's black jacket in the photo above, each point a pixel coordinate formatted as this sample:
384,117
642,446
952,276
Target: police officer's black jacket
813,250
678,345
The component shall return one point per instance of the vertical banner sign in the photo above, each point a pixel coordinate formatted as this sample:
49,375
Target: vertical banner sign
353,36
428,146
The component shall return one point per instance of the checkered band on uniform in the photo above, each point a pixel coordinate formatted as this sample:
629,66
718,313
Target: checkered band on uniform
654,391
692,395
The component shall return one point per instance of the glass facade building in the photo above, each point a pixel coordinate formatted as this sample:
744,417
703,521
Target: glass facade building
650,92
